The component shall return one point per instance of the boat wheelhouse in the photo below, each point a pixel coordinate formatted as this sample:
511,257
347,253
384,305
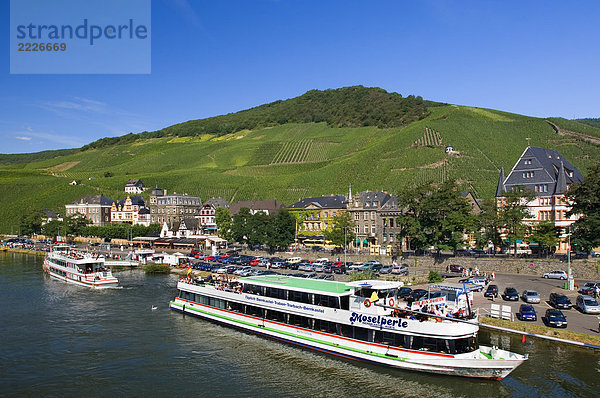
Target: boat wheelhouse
79,268
360,320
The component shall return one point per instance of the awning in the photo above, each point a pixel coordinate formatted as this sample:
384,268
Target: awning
366,241
357,241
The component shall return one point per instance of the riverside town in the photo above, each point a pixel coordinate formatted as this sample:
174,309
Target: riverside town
300,199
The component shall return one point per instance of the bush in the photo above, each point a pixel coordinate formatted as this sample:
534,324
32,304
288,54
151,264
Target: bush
359,276
157,269
434,277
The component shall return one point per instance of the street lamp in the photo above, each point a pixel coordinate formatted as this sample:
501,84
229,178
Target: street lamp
569,276
345,231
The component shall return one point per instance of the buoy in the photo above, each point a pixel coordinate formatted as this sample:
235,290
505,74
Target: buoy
523,339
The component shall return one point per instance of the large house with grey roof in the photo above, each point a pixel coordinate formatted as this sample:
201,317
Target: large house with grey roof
96,208
314,216
549,175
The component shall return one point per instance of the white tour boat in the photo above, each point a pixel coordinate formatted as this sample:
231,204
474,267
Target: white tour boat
342,319
80,268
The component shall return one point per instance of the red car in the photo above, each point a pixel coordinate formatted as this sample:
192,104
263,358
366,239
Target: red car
254,262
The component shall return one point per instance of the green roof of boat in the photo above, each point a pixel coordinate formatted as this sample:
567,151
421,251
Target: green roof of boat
289,282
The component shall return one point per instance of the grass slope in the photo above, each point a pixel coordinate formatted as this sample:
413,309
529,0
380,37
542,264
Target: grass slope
295,160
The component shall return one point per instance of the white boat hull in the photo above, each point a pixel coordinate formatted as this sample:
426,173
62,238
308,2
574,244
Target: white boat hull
473,364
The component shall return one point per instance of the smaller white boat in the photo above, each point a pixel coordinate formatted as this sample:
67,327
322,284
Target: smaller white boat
79,268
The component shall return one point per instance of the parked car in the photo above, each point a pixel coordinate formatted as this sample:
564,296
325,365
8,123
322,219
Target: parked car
510,294
479,281
326,277
386,269
241,270
304,266
416,295
399,270
531,297
587,304
589,288
558,300
456,268
403,292
555,318
491,291
558,274
526,313
318,268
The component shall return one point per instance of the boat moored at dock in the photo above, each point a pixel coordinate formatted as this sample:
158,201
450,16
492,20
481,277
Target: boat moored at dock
358,320
79,268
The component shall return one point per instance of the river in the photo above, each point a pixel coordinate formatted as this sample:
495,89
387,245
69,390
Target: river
64,340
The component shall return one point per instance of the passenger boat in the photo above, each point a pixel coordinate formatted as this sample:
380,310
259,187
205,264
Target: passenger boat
359,320
79,268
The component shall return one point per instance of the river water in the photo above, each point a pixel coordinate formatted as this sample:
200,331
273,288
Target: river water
63,340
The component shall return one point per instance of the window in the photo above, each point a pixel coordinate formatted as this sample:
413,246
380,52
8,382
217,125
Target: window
373,229
366,215
366,229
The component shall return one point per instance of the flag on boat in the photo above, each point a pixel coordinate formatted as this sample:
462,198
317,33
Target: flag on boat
374,297
189,271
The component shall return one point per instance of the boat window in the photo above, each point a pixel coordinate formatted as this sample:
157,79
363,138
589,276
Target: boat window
467,344
364,292
254,311
361,333
298,320
275,293
345,302
301,297
275,315
326,301
325,326
346,330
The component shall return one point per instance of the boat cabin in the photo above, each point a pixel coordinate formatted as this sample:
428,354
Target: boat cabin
364,294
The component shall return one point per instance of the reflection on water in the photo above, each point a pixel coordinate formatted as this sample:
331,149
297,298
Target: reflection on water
63,340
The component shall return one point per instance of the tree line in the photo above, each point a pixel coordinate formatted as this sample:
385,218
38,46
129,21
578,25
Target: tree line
355,106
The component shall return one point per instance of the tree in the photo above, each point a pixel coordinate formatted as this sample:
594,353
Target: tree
258,224
31,222
342,230
240,228
488,225
435,217
513,212
224,223
281,230
51,228
546,235
586,201
74,224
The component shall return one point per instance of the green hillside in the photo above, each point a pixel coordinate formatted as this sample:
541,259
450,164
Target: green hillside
295,160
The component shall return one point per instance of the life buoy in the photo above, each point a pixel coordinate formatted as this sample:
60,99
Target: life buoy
367,303
391,302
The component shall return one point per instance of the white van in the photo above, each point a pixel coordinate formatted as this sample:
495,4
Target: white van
321,261
294,260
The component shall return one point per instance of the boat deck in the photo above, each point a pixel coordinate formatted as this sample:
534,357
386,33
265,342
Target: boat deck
294,283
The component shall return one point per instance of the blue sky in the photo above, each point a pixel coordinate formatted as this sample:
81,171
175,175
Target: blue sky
538,58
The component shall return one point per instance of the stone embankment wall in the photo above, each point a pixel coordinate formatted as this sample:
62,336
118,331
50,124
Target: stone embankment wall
581,269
